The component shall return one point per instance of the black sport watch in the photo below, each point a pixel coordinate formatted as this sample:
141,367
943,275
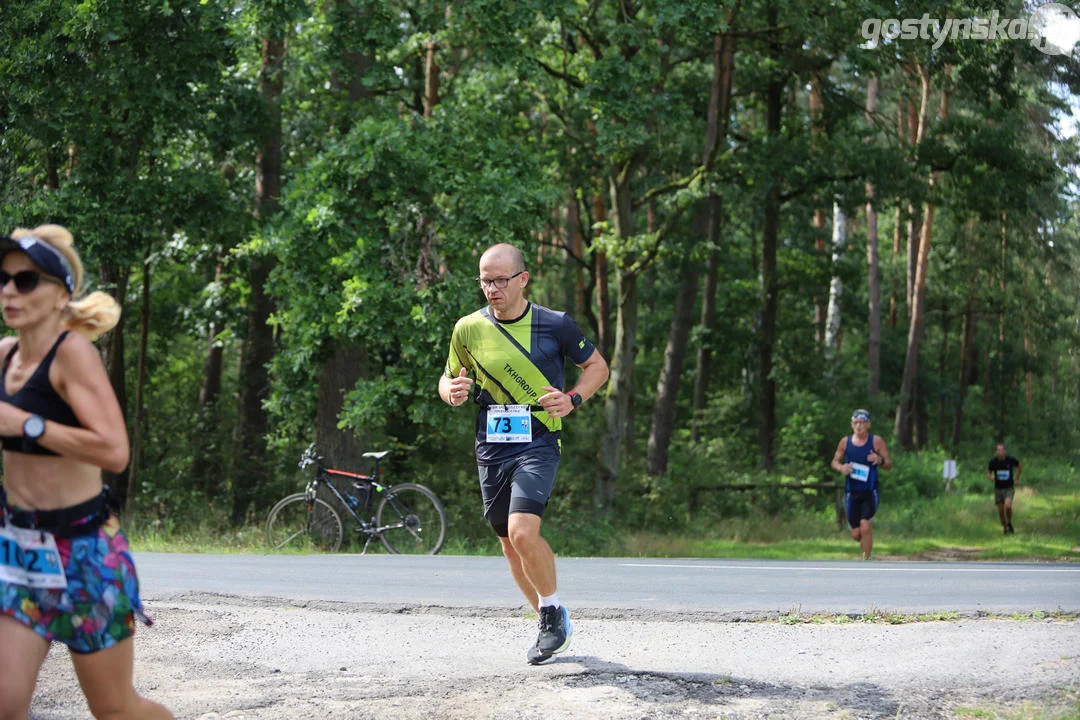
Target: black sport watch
576,399
33,427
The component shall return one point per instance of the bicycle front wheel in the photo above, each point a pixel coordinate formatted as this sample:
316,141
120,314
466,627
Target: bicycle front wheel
411,520
291,524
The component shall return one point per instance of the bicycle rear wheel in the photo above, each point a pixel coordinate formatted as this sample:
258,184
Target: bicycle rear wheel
290,524
412,520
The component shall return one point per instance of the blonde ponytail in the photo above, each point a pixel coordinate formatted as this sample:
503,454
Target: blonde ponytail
93,316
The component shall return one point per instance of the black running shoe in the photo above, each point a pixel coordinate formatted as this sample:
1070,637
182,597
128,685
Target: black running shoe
555,630
535,656
1011,531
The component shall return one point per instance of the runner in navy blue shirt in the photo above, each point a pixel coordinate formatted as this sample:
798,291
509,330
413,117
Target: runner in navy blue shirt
1005,471
858,457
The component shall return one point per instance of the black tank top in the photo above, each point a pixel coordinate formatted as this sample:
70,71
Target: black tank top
36,396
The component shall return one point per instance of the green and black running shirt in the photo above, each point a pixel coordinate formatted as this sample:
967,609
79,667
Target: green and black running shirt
511,362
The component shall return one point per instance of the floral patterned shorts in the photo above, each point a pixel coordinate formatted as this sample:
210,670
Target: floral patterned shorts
98,607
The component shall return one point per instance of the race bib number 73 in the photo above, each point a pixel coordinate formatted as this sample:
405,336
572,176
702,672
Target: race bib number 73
30,558
509,424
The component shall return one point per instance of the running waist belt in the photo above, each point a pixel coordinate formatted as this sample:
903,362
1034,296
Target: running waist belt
82,519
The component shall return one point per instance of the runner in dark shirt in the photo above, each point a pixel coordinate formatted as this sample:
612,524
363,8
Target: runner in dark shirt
1005,471
515,352
858,458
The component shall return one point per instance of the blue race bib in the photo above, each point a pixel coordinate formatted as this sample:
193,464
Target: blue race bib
860,472
30,558
509,424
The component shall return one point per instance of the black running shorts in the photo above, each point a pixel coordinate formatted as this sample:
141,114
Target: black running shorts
521,484
861,506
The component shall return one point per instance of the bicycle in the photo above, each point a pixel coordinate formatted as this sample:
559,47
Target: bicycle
409,518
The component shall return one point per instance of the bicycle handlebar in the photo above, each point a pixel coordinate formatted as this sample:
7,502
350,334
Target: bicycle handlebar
309,457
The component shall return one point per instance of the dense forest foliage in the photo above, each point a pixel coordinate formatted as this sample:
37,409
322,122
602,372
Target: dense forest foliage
761,218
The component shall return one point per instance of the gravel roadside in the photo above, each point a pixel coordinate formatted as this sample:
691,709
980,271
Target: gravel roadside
210,656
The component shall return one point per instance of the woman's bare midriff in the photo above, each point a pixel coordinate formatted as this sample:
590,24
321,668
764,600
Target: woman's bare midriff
47,482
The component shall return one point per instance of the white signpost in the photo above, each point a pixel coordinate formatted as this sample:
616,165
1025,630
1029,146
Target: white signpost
949,473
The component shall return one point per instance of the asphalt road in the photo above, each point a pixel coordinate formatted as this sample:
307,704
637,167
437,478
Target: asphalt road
655,585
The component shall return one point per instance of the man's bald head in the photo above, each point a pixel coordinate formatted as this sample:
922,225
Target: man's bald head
505,252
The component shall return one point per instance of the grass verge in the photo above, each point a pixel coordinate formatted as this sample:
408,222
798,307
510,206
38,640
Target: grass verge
962,526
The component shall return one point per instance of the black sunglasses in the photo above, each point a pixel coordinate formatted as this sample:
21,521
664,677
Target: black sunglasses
26,281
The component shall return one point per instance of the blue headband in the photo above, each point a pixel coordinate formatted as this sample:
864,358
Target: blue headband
47,258
860,415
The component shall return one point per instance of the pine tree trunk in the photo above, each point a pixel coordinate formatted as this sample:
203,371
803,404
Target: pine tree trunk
140,382
115,277
249,467
621,381
1001,334
1028,352
337,378
873,282
901,134
357,59
204,473
896,253
815,103
431,80
966,354
580,306
769,283
667,386
212,367
348,363
708,317
603,296
916,130
909,403
715,131
943,360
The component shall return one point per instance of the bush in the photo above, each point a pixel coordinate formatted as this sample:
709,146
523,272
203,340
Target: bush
914,475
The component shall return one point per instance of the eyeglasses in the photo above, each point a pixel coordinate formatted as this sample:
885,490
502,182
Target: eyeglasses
498,283
26,281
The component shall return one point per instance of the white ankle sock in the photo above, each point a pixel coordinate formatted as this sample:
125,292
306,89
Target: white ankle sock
551,600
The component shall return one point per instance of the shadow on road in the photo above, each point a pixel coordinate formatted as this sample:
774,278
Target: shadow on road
738,695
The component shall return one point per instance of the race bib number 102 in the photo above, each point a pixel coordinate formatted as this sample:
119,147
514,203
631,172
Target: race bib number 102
509,424
30,558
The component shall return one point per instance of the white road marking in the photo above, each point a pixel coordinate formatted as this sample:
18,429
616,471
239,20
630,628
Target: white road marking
859,569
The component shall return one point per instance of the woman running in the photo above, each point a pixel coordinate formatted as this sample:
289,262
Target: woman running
66,572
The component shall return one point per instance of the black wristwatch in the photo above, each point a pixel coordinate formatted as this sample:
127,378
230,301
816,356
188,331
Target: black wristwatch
33,427
576,399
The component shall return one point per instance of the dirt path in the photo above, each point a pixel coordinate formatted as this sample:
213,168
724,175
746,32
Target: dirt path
210,657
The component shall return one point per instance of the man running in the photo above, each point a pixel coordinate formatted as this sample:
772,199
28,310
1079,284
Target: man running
1001,471
858,457
515,350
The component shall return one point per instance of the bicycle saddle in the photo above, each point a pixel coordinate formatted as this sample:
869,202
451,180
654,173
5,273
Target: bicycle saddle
377,455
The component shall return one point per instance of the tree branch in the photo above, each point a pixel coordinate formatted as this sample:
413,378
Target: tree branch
679,184
816,182
661,235
557,111
592,44
565,77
